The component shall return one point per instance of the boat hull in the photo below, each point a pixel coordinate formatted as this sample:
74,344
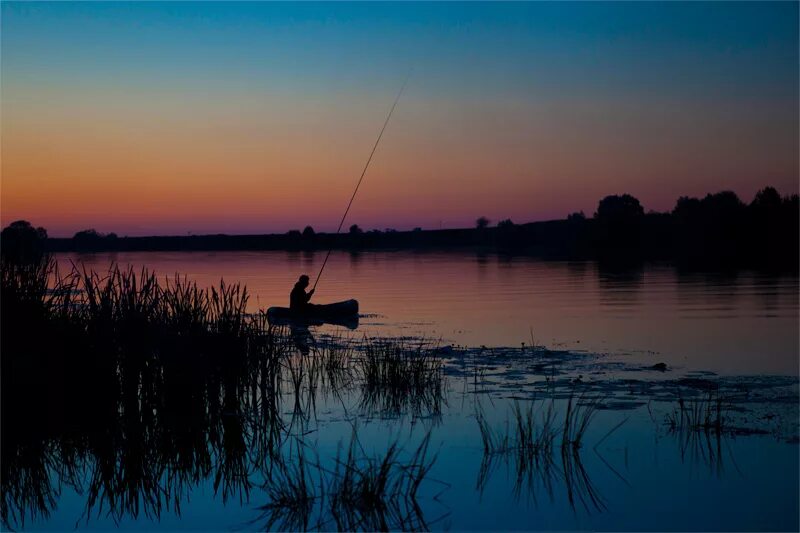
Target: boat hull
340,313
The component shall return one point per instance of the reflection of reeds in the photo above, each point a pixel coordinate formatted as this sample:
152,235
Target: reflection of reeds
699,425
27,489
291,494
706,414
361,492
576,421
529,445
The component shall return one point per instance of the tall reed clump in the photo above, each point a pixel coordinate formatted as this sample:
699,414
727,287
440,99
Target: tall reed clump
153,383
398,377
337,355
127,315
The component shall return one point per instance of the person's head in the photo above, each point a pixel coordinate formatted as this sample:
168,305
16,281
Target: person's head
303,281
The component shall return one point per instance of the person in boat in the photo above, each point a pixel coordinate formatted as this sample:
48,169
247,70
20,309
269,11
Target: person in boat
299,298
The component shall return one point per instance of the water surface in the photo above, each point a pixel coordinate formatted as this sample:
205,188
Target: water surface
206,453
732,323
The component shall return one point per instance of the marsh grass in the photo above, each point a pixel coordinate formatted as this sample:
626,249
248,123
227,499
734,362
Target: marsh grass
337,354
133,391
138,388
398,377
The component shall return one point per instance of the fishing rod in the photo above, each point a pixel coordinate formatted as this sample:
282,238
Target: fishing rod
363,173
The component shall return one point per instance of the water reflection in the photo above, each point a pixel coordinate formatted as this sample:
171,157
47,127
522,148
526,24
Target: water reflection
703,321
253,430
140,445
620,288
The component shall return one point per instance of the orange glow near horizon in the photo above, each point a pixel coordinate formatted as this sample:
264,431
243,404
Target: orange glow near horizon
169,170
256,125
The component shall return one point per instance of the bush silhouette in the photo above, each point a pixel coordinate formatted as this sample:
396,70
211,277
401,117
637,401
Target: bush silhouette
21,243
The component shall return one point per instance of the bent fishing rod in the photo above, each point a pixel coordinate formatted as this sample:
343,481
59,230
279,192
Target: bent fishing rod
363,173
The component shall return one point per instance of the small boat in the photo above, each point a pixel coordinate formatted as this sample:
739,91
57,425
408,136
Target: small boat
340,313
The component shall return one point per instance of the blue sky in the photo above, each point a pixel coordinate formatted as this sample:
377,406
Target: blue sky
565,101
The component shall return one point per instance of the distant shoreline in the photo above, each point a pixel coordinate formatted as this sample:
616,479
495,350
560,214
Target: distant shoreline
658,237
718,231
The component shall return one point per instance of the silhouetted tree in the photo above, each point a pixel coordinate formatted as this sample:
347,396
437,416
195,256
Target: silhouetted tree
355,230
576,237
790,206
505,224
711,229
772,227
686,208
482,223
308,232
92,240
508,234
21,243
723,204
614,208
619,220
768,200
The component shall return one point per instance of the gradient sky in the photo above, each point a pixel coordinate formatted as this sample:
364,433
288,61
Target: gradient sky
168,118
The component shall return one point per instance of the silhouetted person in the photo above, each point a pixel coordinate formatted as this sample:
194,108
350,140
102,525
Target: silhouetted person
299,298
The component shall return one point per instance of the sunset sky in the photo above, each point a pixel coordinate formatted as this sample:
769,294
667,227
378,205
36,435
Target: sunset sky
169,118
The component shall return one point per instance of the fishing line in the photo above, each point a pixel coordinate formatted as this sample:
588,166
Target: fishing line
363,173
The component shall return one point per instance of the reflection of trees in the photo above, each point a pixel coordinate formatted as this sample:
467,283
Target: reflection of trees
620,285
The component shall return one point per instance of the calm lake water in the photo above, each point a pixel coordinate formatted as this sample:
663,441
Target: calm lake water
733,323
214,460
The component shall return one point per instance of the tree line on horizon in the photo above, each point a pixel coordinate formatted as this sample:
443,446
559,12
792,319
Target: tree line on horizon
719,224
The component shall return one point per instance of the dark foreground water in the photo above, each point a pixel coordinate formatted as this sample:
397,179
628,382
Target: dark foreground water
710,443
